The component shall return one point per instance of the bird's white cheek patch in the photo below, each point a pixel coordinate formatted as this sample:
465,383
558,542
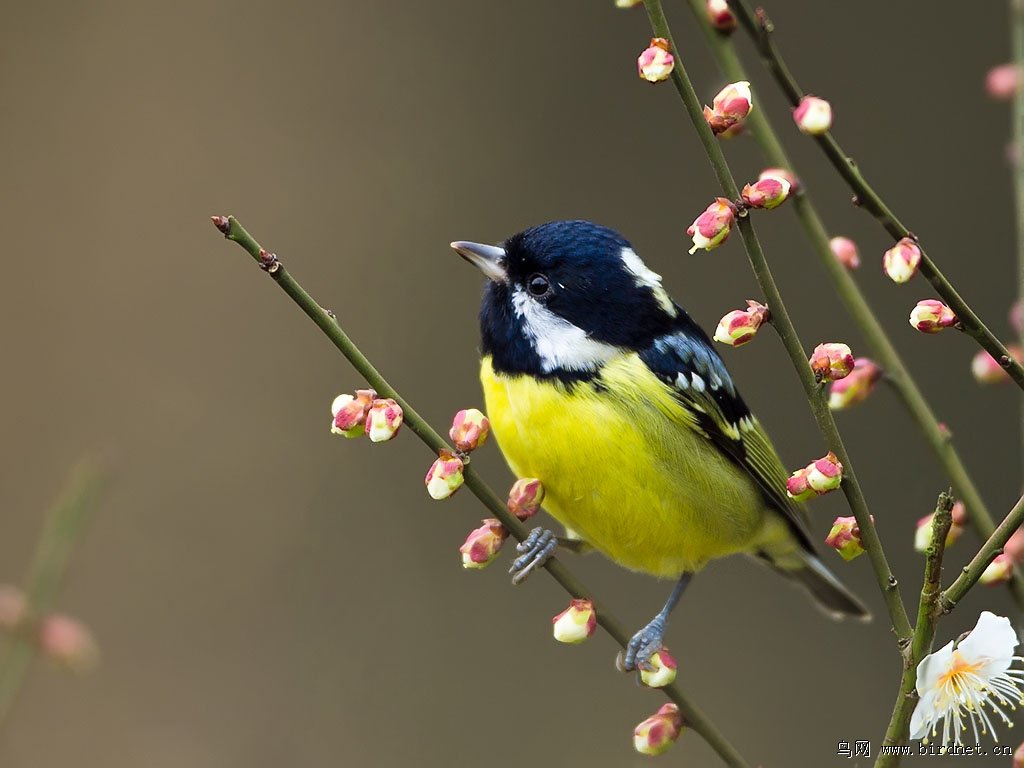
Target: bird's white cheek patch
645,277
559,344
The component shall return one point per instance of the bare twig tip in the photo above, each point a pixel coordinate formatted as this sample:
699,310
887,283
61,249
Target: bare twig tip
222,223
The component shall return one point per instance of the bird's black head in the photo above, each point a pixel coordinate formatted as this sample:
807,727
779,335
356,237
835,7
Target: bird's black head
565,297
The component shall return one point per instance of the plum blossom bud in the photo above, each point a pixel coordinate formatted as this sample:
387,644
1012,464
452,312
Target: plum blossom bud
817,478
13,607
986,369
444,476
1003,82
662,672
470,429
576,623
1017,316
856,387
1018,757
781,173
931,316
525,498
656,63
349,412
1014,546
656,734
767,193
813,116
729,109
844,538
998,571
383,420
720,16
902,260
845,251
738,327
923,534
825,474
831,361
68,642
711,228
483,544
797,486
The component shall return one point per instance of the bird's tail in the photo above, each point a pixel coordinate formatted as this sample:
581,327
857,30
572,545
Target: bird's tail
828,592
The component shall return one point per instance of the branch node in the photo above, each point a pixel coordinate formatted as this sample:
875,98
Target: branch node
268,261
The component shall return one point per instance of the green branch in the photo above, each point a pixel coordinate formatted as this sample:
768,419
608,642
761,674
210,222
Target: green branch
326,322
760,28
924,630
63,528
784,325
897,375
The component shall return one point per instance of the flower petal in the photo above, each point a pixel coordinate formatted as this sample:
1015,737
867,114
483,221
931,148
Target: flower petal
932,667
991,642
921,720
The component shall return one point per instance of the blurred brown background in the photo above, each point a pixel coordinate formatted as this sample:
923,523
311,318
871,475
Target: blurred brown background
266,594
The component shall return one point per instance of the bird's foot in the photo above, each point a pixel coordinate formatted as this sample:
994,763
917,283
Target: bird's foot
535,550
643,645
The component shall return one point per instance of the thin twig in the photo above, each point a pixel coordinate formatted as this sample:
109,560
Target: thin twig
897,375
63,528
973,570
784,325
326,322
760,28
924,630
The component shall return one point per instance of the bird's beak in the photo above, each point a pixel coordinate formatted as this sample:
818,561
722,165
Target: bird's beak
489,259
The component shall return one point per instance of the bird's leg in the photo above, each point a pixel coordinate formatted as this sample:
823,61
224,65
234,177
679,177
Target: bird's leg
648,640
535,550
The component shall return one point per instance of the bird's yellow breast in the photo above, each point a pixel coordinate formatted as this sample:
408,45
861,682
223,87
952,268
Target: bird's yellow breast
622,468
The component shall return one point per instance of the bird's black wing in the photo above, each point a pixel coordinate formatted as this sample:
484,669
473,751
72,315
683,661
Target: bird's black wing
686,362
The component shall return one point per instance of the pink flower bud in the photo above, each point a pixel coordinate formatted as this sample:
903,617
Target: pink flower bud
856,387
349,412
68,642
662,671
844,538
656,734
470,429
1018,757
845,251
998,571
720,16
797,486
817,478
781,173
923,534
656,63
831,361
1017,316
383,420
711,228
931,316
986,369
766,193
901,261
444,476
13,607
1014,546
729,108
483,544
825,474
813,116
525,498
1003,82
576,623
738,327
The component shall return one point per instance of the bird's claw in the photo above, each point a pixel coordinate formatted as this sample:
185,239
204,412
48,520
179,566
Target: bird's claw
643,645
535,550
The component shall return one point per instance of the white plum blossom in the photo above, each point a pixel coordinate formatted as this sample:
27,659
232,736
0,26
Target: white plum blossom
968,682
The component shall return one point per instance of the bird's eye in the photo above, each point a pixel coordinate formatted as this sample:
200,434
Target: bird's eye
538,285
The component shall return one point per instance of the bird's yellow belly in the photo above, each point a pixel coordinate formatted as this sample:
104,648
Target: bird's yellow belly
622,471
